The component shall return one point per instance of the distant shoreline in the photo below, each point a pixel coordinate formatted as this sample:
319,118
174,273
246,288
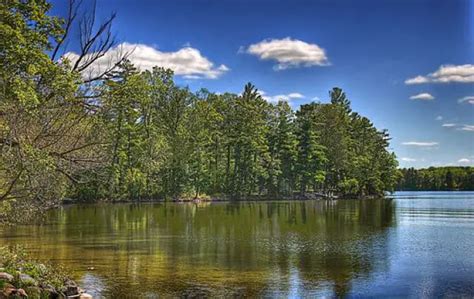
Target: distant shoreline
446,178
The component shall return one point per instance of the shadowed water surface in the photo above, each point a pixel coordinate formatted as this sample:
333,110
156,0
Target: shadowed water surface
418,244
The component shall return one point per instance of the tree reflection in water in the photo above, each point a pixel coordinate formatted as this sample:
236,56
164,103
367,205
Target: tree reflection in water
281,248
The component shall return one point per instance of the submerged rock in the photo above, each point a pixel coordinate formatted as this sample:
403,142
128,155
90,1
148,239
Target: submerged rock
49,291
70,288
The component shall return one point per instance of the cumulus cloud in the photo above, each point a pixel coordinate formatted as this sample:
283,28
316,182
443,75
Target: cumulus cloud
446,74
468,100
464,160
421,144
405,159
280,97
187,61
289,53
449,125
422,96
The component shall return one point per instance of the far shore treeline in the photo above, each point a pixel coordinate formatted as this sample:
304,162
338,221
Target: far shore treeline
452,178
69,130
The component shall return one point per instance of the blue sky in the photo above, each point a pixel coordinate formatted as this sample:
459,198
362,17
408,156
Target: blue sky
407,65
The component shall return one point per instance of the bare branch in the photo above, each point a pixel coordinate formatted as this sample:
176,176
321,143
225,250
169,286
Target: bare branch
107,73
72,14
95,41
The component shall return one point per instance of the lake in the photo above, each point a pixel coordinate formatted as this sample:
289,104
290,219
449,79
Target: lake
417,244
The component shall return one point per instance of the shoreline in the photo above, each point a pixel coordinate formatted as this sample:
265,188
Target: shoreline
70,201
24,277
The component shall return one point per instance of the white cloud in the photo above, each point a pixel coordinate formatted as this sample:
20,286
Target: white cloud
295,95
281,97
439,117
417,80
187,61
405,159
317,99
420,144
422,96
448,125
289,53
469,128
468,99
446,74
464,160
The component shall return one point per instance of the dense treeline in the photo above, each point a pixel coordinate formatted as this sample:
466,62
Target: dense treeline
437,179
126,134
165,141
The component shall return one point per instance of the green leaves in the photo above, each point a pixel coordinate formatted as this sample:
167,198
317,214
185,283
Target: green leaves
436,179
137,135
45,128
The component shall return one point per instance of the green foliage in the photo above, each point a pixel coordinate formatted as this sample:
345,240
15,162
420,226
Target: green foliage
14,260
437,179
45,129
349,186
312,153
137,135
283,147
167,142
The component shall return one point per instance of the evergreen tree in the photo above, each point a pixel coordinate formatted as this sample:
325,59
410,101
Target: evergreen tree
312,159
436,179
283,150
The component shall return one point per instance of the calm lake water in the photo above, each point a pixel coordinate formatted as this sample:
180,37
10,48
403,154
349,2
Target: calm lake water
420,244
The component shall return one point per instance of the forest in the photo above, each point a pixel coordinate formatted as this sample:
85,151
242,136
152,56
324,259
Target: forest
69,131
437,179
121,176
